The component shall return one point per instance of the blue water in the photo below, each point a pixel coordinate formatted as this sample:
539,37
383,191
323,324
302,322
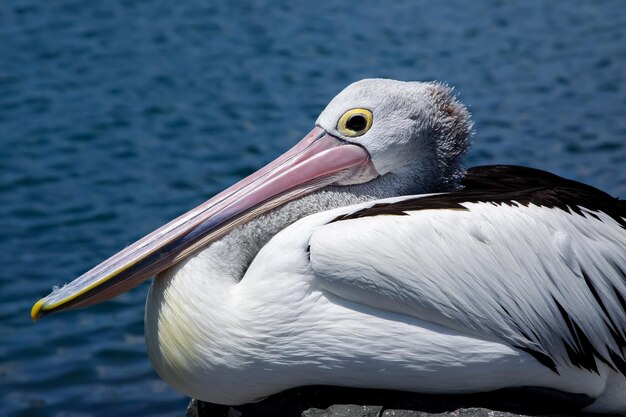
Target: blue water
116,116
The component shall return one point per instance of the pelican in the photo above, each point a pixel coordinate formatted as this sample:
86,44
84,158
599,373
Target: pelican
366,256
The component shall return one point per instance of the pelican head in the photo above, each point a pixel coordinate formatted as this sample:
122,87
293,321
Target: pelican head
412,129
375,129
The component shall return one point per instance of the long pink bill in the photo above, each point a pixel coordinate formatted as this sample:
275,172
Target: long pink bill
316,161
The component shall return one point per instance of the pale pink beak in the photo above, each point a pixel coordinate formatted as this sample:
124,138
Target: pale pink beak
316,161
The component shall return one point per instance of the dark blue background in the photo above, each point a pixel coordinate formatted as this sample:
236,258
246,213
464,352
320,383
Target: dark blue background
116,116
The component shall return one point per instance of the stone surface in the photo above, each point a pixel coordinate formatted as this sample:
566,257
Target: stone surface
462,412
195,409
349,410
325,401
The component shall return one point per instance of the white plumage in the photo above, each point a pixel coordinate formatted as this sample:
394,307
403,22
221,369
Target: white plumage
417,301
314,271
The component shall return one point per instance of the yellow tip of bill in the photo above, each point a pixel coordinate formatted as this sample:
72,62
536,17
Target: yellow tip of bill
34,312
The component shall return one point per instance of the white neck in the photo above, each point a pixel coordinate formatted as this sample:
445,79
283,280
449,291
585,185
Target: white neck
200,332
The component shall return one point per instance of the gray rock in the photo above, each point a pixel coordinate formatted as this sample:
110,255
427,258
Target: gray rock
352,410
324,401
462,412
349,410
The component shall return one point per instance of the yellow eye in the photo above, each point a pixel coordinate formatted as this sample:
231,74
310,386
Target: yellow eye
355,122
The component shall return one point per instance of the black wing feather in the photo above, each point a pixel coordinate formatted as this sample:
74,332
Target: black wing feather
510,184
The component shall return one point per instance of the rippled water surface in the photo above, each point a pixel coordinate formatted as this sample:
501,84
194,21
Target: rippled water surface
115,116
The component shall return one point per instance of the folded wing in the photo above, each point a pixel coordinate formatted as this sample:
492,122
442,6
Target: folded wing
519,256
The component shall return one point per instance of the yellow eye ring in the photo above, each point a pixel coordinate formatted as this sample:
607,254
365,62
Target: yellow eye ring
355,122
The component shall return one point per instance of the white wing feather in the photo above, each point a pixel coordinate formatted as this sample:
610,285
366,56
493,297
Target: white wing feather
541,279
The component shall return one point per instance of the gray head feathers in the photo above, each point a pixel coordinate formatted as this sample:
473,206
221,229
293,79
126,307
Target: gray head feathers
419,129
452,132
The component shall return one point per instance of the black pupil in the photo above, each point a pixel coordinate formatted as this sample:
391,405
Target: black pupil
356,123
